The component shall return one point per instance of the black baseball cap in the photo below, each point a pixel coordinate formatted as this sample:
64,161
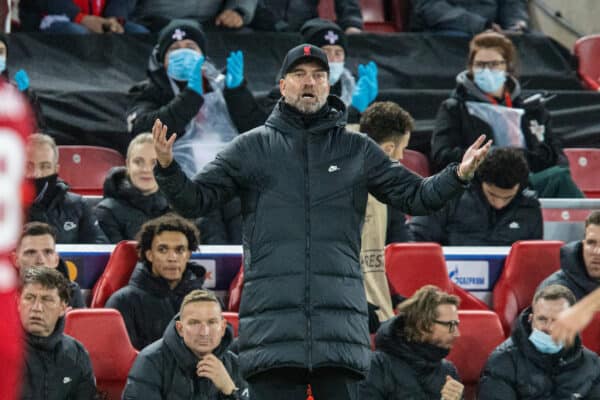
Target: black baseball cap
303,53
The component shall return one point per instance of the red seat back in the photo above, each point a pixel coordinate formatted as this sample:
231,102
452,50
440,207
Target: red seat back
587,51
480,333
84,168
590,336
234,319
235,291
103,333
410,266
584,165
416,162
528,263
117,272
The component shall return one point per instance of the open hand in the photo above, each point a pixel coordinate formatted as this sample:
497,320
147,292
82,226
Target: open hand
474,155
163,147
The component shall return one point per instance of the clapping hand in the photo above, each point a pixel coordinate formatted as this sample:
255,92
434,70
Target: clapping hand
235,69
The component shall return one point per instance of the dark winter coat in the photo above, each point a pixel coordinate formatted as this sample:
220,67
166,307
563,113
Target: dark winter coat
517,370
125,208
455,129
405,370
303,182
469,16
148,304
57,367
69,214
470,220
76,296
572,273
166,370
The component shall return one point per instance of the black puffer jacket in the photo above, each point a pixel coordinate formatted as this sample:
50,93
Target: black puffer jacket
405,370
455,129
517,370
471,221
303,183
57,367
76,296
572,272
147,303
68,213
166,370
124,208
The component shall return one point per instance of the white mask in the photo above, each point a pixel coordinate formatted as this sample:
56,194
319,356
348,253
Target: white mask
335,71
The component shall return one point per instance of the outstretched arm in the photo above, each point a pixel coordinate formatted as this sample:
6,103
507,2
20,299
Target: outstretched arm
576,318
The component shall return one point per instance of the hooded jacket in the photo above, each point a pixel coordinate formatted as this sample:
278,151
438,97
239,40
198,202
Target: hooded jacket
147,303
57,367
517,370
68,213
303,182
572,273
405,370
456,129
166,370
124,208
471,221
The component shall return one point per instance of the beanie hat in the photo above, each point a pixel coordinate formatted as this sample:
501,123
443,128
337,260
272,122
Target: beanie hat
322,32
180,29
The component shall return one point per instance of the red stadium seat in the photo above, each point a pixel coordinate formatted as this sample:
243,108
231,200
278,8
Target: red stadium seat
590,336
416,162
410,266
116,273
584,165
84,168
235,291
587,51
480,333
373,12
528,263
103,333
234,319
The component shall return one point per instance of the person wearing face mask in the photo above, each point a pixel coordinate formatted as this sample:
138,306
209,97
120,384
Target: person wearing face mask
131,195
53,204
21,81
488,100
530,365
186,90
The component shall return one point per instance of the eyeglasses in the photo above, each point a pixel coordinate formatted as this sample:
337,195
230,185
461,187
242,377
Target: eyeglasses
488,64
452,325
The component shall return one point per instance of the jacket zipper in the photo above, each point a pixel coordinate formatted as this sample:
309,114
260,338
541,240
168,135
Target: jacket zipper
307,250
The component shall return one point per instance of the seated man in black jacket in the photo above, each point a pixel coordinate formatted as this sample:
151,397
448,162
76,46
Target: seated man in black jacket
409,362
37,248
580,261
67,212
530,365
56,365
496,210
160,280
194,346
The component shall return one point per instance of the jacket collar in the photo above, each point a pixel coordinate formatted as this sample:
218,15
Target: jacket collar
192,278
47,343
118,186
572,264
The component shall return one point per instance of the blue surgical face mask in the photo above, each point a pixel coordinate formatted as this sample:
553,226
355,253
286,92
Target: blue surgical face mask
181,63
2,64
489,80
544,343
335,71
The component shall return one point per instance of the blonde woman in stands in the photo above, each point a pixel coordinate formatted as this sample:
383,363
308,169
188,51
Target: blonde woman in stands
131,195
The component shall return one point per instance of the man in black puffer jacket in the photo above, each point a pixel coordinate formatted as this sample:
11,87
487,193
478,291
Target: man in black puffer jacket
496,210
192,360
580,262
531,366
411,348
160,280
67,212
303,181
57,367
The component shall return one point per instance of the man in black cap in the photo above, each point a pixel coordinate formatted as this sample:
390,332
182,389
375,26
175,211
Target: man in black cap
303,181
189,94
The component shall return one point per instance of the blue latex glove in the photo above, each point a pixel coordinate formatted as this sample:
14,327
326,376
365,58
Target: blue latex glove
361,95
371,73
22,80
235,69
195,81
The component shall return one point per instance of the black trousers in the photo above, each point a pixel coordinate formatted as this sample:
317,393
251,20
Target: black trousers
291,384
